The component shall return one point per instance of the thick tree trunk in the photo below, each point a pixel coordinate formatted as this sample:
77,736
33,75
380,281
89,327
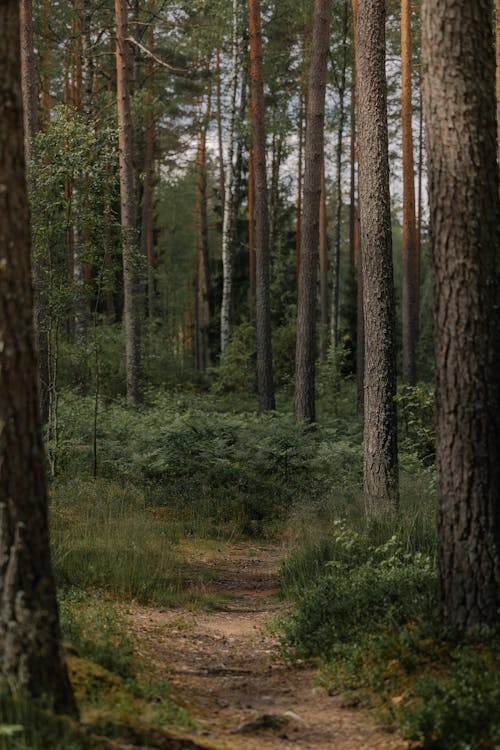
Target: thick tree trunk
459,105
262,261
308,272
31,656
411,250
380,438
497,36
128,213
227,227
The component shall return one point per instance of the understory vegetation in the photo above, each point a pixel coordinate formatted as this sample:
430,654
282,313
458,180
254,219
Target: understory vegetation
194,468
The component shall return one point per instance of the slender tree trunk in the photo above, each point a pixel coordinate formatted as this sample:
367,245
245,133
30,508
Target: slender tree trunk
334,327
227,249
358,329
147,220
203,271
251,228
323,266
300,176
45,63
31,656
220,141
380,434
411,254
128,213
30,109
314,160
459,96
263,303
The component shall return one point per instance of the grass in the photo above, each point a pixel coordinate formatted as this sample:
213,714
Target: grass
105,537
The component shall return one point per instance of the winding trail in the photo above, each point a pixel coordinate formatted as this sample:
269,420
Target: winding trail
227,668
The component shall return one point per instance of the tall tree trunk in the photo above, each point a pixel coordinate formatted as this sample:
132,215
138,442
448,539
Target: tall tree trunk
334,325
128,212
31,656
30,109
45,63
227,249
323,266
147,220
380,438
459,105
411,250
220,140
203,283
300,177
314,159
358,327
263,303
497,36
251,228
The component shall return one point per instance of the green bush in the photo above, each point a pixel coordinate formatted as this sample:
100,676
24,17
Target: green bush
460,711
360,588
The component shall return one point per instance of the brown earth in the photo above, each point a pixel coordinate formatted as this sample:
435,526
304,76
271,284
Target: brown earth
227,668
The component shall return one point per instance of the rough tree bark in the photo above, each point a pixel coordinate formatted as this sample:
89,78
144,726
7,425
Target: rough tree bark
411,250
459,106
228,221
130,254
497,36
203,280
380,433
314,156
263,304
31,656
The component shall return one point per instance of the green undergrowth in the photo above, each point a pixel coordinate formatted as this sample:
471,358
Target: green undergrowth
106,537
366,610
210,461
117,693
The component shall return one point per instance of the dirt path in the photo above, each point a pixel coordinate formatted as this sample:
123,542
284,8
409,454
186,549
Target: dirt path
226,666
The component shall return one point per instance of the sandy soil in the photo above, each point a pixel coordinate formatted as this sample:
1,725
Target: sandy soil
226,666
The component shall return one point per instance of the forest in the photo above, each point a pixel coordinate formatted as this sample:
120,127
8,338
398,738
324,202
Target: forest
249,374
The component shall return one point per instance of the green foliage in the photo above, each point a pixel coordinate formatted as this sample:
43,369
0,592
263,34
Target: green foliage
104,535
358,587
461,711
417,415
96,630
27,725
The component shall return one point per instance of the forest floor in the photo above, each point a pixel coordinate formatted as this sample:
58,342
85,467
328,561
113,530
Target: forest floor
226,666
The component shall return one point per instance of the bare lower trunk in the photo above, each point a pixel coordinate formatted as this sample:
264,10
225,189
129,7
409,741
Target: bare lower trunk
314,160
31,657
411,254
459,70
323,267
128,213
227,249
263,303
380,438
335,312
